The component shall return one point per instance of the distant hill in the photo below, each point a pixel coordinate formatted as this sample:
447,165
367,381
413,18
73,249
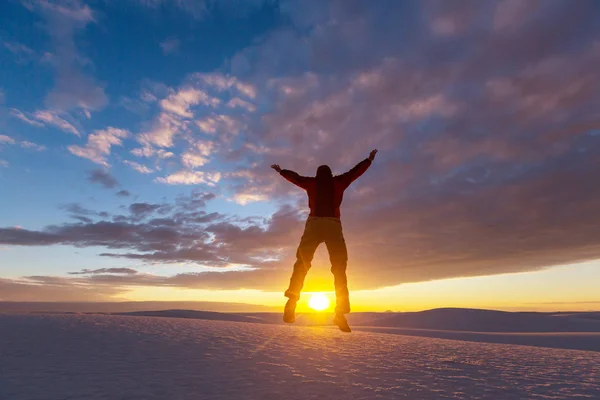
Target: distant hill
473,320
460,319
447,319
130,306
192,314
442,319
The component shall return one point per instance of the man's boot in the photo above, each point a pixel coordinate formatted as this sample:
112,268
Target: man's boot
340,321
289,313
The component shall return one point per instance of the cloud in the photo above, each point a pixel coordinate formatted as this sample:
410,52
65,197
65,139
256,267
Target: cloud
125,271
142,169
195,200
164,129
185,177
513,14
150,151
3,163
142,210
73,88
170,45
179,103
245,198
18,114
103,178
237,102
202,9
64,291
55,118
32,146
83,214
136,106
6,140
98,145
198,155
123,193
183,234
219,124
191,160
22,53
224,82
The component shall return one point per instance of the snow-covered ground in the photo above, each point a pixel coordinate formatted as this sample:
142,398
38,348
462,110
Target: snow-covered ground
122,357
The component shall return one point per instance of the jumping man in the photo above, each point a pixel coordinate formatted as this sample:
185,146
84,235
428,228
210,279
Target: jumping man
325,194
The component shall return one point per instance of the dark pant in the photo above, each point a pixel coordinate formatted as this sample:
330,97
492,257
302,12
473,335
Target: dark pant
317,231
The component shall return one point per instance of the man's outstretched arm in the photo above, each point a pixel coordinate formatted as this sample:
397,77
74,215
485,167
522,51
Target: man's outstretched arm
358,170
291,176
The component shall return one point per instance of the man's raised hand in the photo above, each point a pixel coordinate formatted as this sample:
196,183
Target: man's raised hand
276,167
372,155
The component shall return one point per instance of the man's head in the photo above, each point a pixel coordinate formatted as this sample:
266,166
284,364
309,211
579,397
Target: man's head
324,171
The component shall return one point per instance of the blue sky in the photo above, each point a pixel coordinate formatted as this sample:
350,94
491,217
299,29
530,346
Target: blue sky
136,139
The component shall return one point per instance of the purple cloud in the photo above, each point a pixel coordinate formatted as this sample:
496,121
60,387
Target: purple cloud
125,271
123,193
103,178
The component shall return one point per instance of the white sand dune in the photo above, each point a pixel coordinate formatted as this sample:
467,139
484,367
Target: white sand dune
575,331
124,357
588,341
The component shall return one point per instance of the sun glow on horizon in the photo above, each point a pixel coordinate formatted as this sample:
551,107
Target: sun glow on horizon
318,302
570,287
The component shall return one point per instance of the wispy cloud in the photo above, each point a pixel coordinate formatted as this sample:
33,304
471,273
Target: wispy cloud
32,146
7,140
98,145
150,152
73,88
60,290
245,198
237,102
142,169
22,53
54,118
186,177
170,45
42,118
18,114
179,103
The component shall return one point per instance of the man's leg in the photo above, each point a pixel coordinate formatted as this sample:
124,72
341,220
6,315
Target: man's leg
338,255
304,255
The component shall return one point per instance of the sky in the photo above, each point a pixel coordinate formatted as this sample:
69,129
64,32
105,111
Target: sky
136,138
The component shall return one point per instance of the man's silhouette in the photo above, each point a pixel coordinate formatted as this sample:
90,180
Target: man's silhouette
325,194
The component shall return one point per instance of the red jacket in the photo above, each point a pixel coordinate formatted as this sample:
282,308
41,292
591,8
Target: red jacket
325,196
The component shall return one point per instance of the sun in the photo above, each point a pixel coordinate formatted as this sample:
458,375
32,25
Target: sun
318,302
